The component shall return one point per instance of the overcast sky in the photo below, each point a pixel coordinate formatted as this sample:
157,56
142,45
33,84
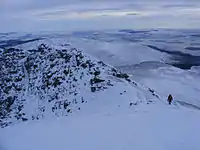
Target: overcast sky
35,15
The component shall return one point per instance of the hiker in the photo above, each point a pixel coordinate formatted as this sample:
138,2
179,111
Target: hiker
170,99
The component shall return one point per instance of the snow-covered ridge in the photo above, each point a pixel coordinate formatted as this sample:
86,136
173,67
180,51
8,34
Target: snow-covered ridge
56,80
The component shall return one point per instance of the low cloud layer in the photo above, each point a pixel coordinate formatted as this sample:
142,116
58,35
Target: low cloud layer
34,15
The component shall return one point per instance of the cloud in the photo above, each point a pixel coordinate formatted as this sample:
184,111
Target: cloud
54,14
64,15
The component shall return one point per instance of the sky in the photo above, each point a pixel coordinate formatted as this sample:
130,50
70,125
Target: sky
75,15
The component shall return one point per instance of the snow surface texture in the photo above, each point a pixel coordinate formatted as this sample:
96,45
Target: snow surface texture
146,127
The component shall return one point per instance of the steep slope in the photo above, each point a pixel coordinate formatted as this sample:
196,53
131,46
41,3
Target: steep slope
56,80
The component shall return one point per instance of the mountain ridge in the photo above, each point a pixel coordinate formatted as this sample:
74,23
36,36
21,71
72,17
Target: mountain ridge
38,82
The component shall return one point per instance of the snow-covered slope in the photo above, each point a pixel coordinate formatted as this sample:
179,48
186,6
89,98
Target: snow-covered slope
146,127
165,79
43,80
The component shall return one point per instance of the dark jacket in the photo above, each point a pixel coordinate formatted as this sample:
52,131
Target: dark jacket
170,99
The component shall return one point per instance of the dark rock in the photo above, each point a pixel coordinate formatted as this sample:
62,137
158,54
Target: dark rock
93,89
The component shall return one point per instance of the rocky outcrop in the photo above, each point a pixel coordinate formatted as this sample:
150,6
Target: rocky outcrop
46,80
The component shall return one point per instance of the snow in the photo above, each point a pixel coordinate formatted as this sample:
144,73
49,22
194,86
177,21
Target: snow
125,116
151,127
182,84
